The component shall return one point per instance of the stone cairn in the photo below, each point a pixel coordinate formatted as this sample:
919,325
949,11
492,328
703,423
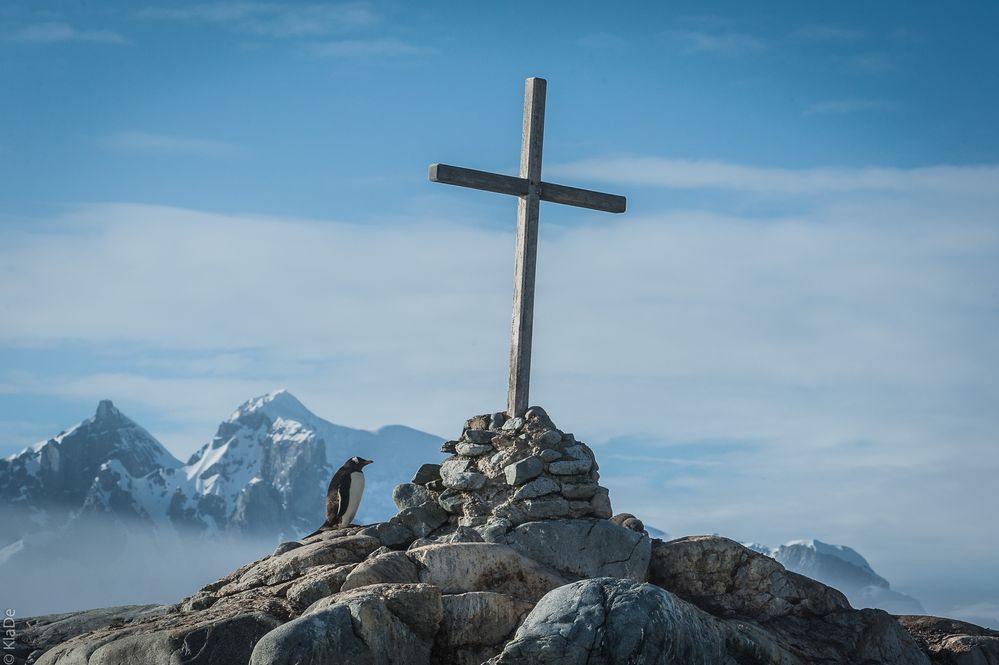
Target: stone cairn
503,472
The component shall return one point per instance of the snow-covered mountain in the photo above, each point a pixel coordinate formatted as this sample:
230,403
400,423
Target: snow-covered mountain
46,485
263,474
843,568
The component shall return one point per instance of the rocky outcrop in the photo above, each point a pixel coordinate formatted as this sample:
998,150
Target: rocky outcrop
621,621
584,548
950,642
383,624
723,577
36,635
461,576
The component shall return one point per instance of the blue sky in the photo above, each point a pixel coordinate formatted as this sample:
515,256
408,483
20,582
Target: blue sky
792,333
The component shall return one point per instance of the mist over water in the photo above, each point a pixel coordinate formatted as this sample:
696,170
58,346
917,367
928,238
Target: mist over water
103,565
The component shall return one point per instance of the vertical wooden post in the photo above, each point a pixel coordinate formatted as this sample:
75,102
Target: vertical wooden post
526,260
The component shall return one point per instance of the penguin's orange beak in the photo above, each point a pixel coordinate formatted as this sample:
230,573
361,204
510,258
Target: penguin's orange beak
365,462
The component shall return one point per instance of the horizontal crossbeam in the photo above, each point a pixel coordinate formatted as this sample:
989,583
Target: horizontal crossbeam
505,184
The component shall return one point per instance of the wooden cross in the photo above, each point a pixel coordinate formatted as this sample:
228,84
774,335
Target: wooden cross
531,191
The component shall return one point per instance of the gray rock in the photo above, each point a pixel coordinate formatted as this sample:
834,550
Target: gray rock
466,480
223,641
535,488
520,472
286,547
542,508
393,567
567,437
951,642
36,635
448,446
550,438
390,624
479,436
579,451
391,534
462,534
479,618
584,548
410,495
579,490
600,505
451,500
422,519
620,622
495,530
513,424
570,467
497,420
549,455
427,473
319,582
701,570
473,449
327,549
463,567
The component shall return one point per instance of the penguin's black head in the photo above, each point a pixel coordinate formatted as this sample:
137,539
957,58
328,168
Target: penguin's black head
357,463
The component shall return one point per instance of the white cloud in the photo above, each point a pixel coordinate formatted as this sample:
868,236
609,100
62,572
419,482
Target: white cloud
169,144
982,181
272,19
53,32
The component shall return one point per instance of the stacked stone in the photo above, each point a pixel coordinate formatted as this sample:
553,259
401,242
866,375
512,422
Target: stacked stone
503,472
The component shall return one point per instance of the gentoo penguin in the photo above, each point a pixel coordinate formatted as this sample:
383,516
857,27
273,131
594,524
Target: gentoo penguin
343,496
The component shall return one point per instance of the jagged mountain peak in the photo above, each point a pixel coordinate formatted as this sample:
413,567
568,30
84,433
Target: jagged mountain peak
276,404
842,552
106,410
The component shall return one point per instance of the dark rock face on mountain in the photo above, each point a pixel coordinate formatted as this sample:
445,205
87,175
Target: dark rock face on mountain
43,486
468,572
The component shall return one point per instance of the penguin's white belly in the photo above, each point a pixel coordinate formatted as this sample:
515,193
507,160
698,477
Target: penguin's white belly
354,499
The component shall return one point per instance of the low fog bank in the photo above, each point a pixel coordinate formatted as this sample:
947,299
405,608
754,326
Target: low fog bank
101,567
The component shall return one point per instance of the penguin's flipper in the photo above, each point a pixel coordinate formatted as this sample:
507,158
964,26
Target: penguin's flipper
343,502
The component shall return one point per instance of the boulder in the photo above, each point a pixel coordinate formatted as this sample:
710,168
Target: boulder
463,567
848,636
427,473
422,519
473,449
584,548
410,495
726,579
535,488
479,618
393,567
220,641
479,436
950,642
288,566
384,624
36,635
613,621
390,534
548,507
317,583
523,470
